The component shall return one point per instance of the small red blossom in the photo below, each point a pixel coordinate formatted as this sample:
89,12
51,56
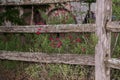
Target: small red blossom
39,29
70,37
78,40
62,35
57,39
59,44
38,33
83,49
51,39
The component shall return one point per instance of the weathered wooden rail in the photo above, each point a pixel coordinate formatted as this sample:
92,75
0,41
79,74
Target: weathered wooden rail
34,2
56,58
112,26
49,28
103,28
48,58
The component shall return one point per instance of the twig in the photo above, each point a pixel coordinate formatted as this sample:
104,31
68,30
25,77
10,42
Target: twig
32,13
116,40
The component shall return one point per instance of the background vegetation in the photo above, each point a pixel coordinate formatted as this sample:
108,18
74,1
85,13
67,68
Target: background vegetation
75,43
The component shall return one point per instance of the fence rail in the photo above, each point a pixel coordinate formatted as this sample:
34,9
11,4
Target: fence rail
56,58
114,63
34,2
48,58
112,26
50,28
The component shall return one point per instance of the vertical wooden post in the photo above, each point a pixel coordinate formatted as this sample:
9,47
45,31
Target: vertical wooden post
102,51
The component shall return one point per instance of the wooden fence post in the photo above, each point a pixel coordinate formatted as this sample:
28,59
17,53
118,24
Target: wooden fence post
102,51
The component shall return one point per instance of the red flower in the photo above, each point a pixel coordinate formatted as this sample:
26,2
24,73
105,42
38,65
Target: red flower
62,35
78,40
57,39
51,39
59,44
39,29
38,33
83,49
70,37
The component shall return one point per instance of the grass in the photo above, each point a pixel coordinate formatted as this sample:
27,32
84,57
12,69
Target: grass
77,43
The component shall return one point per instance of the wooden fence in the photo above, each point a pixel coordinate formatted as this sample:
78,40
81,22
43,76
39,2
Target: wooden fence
103,29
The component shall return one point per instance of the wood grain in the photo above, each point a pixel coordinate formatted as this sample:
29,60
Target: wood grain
34,2
103,48
48,58
49,28
114,63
